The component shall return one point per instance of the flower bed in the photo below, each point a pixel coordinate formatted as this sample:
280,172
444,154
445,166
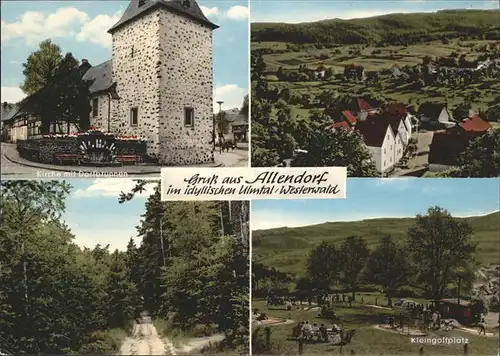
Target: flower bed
94,146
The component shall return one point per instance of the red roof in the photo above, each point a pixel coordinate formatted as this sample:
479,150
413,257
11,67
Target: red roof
396,108
349,116
475,124
341,124
363,105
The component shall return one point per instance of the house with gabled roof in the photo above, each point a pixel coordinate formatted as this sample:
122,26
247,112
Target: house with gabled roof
383,141
435,115
363,109
475,124
447,145
341,125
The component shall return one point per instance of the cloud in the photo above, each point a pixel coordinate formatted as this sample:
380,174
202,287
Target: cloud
210,11
67,22
109,188
237,13
231,94
12,94
96,29
35,26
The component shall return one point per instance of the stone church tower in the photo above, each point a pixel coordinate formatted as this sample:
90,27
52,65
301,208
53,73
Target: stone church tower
162,67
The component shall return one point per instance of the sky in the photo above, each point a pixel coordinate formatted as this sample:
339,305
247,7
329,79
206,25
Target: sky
377,198
297,11
95,217
80,27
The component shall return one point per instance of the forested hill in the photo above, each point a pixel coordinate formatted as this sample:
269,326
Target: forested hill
388,29
295,243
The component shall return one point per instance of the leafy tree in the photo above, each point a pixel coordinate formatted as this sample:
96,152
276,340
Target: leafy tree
65,98
222,123
388,266
354,254
323,266
462,111
493,113
481,158
41,67
122,294
244,107
439,244
337,148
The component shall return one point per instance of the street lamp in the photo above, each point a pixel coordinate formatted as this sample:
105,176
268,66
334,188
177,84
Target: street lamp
220,115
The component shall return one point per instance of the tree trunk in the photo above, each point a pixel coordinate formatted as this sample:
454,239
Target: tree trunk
161,240
221,221
25,278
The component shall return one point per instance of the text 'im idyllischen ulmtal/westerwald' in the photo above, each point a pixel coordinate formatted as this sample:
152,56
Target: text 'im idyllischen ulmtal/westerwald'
253,183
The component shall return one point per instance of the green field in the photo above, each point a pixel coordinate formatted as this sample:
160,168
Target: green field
294,244
368,339
388,56
389,87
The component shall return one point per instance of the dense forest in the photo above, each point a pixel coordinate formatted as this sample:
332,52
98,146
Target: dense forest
190,271
392,29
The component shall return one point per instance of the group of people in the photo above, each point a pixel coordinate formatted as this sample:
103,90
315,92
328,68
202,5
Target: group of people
309,331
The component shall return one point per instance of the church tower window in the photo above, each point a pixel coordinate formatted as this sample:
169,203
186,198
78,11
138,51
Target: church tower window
186,3
188,117
134,117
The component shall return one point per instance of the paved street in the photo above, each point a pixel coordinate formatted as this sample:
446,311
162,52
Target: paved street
15,167
235,158
10,170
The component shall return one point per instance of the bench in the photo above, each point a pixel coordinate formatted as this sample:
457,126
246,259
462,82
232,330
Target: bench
127,158
67,157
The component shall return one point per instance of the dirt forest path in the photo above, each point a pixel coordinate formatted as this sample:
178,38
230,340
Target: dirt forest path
145,340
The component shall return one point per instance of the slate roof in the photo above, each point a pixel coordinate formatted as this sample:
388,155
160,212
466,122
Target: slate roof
431,110
373,132
392,119
101,74
134,11
8,111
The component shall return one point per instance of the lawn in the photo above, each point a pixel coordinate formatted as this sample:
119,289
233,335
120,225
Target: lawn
368,339
294,244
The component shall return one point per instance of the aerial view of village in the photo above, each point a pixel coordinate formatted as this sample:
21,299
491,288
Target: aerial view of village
103,267
404,88
124,87
376,274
